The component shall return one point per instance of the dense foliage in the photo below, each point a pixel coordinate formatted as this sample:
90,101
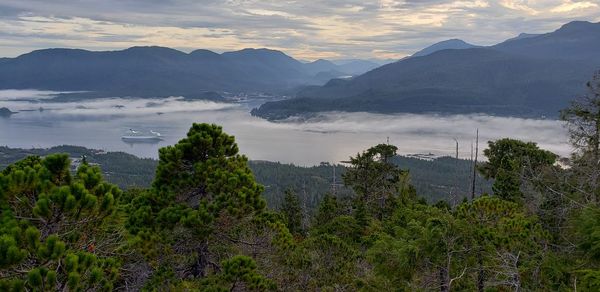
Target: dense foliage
122,169
57,229
435,179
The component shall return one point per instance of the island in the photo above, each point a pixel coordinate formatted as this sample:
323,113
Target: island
5,112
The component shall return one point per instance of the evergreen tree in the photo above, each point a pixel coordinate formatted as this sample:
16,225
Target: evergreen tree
511,161
583,117
423,248
507,184
377,182
328,208
57,231
238,274
292,212
502,152
508,245
332,263
203,205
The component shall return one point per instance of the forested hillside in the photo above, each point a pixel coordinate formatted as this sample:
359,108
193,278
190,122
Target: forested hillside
529,77
439,179
204,224
160,71
122,169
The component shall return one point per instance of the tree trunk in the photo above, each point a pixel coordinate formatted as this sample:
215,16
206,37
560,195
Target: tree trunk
596,140
444,280
199,267
516,276
480,274
596,155
381,207
517,279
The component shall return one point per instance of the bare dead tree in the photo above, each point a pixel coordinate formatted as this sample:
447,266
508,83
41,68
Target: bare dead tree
475,166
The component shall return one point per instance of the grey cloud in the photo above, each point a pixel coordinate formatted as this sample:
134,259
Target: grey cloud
9,11
294,25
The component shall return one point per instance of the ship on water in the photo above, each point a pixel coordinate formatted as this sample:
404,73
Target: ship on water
139,137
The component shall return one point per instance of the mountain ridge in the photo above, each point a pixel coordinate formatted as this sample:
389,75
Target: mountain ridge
158,71
530,77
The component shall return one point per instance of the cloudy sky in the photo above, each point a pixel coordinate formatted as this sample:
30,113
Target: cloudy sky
305,29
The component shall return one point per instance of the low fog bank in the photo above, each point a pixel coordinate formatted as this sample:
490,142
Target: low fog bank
331,137
30,100
436,133
25,94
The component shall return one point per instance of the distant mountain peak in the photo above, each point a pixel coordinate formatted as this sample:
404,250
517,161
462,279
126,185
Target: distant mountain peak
56,50
55,53
458,41
521,36
444,45
578,28
257,51
150,48
261,53
145,48
154,51
578,25
322,61
203,52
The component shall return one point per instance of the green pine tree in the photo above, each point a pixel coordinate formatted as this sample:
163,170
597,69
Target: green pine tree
292,212
203,202
57,230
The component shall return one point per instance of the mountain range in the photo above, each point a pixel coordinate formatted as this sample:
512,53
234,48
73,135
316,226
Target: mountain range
159,71
530,76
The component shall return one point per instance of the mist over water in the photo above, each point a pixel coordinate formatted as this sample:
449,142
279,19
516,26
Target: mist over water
331,137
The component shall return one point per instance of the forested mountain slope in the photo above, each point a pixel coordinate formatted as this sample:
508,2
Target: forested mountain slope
440,179
160,71
532,77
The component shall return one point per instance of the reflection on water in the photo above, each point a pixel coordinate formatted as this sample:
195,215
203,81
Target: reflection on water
332,137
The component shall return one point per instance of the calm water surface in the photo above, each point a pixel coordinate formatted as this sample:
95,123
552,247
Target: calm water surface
331,137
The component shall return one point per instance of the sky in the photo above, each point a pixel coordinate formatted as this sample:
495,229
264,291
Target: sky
306,29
